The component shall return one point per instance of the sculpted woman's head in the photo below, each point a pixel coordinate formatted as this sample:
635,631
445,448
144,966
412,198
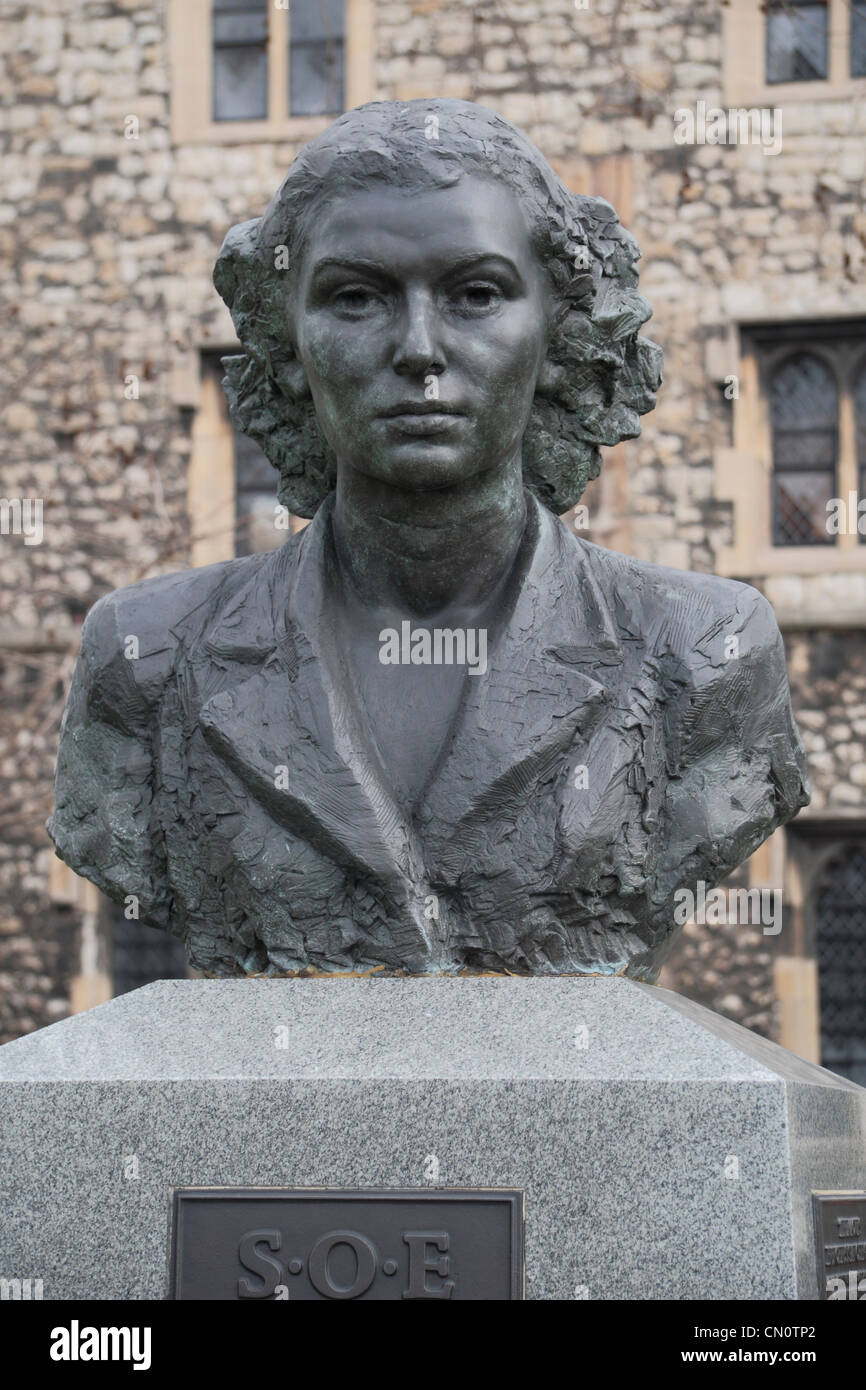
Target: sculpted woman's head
425,300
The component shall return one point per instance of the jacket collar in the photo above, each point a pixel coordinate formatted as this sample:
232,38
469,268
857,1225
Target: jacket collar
292,731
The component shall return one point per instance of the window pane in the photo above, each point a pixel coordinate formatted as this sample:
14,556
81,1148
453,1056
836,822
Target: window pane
803,394
240,60
815,448
257,529
240,29
858,40
841,951
804,413
142,954
796,41
316,19
255,499
316,57
860,412
800,508
253,469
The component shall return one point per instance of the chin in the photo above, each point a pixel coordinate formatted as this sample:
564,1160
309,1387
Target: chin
426,471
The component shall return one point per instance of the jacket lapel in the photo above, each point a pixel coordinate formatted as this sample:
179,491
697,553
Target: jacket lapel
291,734
547,684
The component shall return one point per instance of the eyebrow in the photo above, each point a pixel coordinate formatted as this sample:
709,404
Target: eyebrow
465,262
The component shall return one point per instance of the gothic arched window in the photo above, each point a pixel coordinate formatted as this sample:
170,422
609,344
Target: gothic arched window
804,412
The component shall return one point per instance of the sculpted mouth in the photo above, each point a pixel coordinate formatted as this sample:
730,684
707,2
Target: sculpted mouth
420,408
421,418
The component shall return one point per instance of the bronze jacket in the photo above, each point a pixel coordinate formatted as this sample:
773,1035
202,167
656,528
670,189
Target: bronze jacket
619,746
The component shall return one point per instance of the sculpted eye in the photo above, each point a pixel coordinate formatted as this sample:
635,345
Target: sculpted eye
354,299
478,297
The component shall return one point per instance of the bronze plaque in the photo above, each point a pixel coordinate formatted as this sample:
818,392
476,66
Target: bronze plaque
310,1244
840,1232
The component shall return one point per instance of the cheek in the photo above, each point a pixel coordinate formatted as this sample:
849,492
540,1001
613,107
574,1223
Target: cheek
515,349
511,370
333,359
337,369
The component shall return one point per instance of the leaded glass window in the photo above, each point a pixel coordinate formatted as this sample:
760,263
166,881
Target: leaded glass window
804,412
797,41
841,951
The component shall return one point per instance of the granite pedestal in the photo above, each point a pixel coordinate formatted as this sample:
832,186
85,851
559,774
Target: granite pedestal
664,1153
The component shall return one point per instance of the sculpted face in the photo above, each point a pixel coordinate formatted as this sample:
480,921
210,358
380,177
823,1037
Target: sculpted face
420,323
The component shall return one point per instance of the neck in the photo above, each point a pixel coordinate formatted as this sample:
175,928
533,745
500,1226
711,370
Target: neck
433,551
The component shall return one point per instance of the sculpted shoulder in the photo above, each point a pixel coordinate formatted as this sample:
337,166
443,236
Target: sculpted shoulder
717,652
704,619
132,638
718,649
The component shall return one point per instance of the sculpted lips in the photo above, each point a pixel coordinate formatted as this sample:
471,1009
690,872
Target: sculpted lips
422,417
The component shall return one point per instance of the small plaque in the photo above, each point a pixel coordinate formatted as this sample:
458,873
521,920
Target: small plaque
270,1244
840,1232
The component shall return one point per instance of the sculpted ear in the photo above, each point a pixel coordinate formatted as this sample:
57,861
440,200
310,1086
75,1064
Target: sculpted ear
550,377
292,379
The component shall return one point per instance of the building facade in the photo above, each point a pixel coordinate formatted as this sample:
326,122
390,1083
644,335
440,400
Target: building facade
732,141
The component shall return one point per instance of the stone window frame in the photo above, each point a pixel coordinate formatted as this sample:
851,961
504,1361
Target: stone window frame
743,473
743,60
189,48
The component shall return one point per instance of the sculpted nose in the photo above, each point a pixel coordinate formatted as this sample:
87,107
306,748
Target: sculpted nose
418,349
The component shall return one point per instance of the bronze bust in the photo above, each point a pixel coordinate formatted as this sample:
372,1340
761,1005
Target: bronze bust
435,731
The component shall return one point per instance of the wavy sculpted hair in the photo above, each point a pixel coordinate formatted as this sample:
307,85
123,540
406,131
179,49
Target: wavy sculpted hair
599,375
